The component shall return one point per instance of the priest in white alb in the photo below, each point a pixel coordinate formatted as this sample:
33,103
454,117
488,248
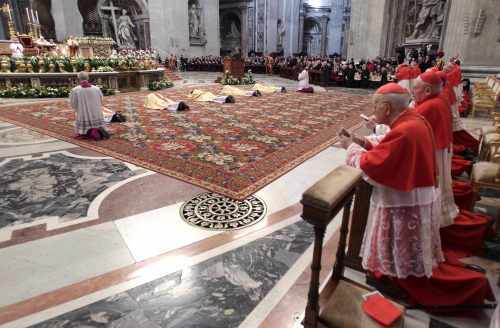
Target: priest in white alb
86,99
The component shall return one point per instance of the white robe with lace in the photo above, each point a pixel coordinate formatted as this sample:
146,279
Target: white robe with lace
402,232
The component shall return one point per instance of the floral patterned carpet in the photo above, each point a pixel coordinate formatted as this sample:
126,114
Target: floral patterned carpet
231,149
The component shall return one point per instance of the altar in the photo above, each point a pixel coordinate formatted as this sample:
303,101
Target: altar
235,67
123,81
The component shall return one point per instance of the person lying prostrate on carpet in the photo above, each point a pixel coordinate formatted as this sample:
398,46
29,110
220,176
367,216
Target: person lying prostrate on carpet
207,96
435,110
304,85
402,233
159,102
229,90
86,99
268,88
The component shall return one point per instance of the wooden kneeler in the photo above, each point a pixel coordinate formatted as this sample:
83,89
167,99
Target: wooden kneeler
339,304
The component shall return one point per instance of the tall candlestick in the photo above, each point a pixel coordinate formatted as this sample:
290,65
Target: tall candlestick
28,15
37,20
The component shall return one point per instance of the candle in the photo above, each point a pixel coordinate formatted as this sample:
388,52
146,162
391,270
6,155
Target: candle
28,15
32,16
37,20
8,10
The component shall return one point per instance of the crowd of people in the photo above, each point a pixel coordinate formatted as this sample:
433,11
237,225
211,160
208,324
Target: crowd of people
417,229
323,70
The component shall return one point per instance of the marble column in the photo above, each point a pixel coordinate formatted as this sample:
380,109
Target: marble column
301,29
473,33
67,18
366,29
244,32
324,29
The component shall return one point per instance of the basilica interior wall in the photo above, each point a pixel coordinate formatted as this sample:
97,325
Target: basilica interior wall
170,28
366,29
473,32
68,20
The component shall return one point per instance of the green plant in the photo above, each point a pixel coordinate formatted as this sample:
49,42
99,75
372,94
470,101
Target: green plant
158,85
229,80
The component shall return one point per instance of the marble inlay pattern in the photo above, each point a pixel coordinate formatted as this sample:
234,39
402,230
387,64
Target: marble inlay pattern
216,212
57,185
219,292
21,136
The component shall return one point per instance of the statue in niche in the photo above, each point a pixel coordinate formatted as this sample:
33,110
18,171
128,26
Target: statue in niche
194,21
234,33
126,34
430,20
281,33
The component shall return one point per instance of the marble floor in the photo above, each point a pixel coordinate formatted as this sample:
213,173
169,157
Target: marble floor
91,241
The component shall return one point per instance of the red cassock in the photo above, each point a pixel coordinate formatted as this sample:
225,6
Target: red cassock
409,141
465,198
466,140
437,112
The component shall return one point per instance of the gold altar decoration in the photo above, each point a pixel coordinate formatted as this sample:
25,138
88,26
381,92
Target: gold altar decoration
90,46
10,22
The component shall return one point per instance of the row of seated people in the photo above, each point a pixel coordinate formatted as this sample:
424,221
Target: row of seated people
420,222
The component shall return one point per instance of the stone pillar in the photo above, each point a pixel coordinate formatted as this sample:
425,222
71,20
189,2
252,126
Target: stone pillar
366,29
324,29
301,28
473,33
244,32
67,18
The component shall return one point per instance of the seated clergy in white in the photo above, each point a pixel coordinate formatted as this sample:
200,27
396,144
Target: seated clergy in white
86,100
402,234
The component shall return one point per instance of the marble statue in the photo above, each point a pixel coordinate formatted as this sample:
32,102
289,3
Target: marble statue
430,20
281,33
126,36
234,33
194,21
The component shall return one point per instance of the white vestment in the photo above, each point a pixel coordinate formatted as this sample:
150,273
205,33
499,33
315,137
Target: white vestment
449,208
402,233
303,80
87,103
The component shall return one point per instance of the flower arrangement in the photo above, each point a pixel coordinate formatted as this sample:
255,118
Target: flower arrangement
245,80
159,85
39,92
44,92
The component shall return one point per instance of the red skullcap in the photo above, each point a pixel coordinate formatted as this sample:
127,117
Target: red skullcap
403,72
430,78
391,88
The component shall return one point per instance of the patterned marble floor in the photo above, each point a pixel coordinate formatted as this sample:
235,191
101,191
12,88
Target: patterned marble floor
89,241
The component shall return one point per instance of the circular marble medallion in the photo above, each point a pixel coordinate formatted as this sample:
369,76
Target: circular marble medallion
220,213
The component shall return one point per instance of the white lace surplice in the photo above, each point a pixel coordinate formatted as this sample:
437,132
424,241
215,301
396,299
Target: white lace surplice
448,206
402,233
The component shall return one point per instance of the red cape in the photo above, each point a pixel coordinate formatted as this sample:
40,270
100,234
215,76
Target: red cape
438,113
405,158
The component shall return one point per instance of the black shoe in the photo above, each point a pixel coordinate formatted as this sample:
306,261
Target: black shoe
230,100
257,93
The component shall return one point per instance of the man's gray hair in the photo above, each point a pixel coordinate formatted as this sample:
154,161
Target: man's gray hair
397,101
435,88
83,76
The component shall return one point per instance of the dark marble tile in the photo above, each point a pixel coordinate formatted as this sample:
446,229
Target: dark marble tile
219,292
58,186
118,309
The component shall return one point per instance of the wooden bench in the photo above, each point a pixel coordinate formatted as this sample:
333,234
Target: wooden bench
339,304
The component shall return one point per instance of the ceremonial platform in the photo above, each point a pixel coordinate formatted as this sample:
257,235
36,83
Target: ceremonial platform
231,149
